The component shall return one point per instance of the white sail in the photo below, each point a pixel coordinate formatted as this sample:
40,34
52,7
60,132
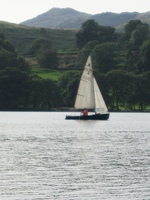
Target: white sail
85,92
100,106
89,95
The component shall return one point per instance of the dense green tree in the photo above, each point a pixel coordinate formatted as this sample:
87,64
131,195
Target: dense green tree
142,90
4,44
47,58
87,33
7,59
130,27
136,33
44,94
14,78
144,64
13,89
104,56
2,36
23,65
92,31
46,55
119,88
106,34
69,83
39,44
139,35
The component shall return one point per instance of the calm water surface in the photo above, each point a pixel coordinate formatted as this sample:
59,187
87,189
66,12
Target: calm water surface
43,156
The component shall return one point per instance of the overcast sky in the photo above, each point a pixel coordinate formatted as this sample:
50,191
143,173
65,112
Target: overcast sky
17,11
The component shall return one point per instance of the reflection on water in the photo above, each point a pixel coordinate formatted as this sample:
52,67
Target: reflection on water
43,156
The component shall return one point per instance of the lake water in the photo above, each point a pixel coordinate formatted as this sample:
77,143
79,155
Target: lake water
45,157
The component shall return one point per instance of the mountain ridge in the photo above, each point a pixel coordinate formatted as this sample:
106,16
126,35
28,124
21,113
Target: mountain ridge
55,17
69,18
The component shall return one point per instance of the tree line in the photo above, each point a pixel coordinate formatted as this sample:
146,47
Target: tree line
121,63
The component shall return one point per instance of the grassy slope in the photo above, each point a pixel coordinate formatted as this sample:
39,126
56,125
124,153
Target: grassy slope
22,36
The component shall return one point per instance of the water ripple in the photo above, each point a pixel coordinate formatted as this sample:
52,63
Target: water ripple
44,157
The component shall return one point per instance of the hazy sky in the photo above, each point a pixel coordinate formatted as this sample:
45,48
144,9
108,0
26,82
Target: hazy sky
17,11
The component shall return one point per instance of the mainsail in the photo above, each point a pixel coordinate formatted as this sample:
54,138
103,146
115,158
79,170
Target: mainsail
89,95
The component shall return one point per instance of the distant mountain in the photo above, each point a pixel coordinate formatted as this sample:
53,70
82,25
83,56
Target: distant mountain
68,18
114,19
58,18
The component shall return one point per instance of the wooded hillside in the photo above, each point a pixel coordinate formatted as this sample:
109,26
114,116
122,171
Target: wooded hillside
43,72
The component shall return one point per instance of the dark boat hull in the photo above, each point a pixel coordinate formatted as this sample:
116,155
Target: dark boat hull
89,117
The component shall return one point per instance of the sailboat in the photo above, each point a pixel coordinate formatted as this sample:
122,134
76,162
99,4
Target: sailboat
89,96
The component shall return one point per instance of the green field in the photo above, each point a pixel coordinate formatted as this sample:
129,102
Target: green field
47,73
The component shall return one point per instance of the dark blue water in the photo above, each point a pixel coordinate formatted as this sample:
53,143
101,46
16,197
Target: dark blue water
43,156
